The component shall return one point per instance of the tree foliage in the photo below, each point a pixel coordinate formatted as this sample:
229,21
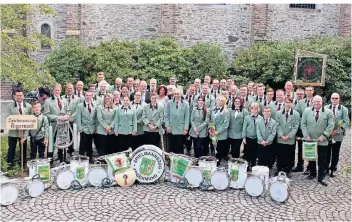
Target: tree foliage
17,44
272,63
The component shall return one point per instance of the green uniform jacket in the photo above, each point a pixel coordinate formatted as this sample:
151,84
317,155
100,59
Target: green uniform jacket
44,130
249,126
212,92
221,118
209,101
274,106
87,122
296,104
321,128
74,101
177,119
236,123
12,109
267,132
289,127
247,103
271,104
152,116
200,122
105,117
341,113
192,103
139,116
52,111
125,122
256,99
302,105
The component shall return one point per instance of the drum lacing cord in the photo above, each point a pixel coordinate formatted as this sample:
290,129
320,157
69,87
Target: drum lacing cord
76,185
106,183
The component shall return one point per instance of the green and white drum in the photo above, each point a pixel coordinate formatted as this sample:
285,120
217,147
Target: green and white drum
79,165
179,165
208,166
237,170
40,167
148,164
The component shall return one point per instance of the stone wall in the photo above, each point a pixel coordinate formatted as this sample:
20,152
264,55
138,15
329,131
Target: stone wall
345,20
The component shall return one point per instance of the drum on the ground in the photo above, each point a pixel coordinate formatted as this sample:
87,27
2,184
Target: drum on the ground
179,165
279,187
79,165
146,147
8,191
97,173
194,176
64,176
35,186
219,179
208,165
237,170
41,167
258,181
148,164
125,178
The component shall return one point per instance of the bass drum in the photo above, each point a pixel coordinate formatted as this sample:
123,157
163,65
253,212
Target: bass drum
146,147
219,179
148,165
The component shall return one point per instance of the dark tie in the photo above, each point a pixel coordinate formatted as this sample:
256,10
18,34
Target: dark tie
20,108
278,108
176,105
216,110
189,99
89,109
215,94
286,116
79,94
266,122
69,99
260,100
334,110
59,103
307,103
317,116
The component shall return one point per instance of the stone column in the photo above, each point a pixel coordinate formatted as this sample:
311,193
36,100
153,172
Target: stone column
73,20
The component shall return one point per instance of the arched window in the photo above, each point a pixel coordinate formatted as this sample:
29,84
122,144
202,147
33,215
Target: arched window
45,29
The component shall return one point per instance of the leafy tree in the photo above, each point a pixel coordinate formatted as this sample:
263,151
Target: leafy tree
272,63
17,44
70,61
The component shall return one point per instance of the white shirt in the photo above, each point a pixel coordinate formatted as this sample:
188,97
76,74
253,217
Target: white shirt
236,113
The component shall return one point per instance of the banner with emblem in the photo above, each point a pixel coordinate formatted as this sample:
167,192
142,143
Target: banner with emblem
309,151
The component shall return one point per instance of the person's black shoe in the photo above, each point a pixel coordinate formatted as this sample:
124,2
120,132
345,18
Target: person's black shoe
322,182
306,172
310,177
298,169
332,174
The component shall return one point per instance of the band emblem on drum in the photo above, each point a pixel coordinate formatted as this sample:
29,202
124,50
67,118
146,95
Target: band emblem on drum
180,166
147,166
80,173
206,174
234,175
118,162
44,172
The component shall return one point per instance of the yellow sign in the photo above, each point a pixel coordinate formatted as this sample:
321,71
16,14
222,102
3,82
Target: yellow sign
21,122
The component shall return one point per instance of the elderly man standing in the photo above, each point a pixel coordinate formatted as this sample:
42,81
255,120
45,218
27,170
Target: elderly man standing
317,124
79,90
340,113
145,95
152,86
117,86
177,121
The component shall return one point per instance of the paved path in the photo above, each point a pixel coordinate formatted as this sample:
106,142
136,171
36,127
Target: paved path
309,201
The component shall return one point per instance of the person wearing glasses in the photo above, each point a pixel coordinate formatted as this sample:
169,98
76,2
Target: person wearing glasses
340,113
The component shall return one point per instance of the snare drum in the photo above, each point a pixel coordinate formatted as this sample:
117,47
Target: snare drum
257,182
79,166
219,179
208,166
96,174
42,168
237,170
148,164
263,173
179,165
8,191
279,187
64,176
35,186
194,176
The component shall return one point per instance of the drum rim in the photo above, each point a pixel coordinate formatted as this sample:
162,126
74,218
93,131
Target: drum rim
10,185
197,169
34,182
222,172
288,192
133,165
96,168
57,176
254,177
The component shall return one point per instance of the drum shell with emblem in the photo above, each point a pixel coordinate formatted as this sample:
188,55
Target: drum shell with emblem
179,165
80,168
208,165
8,191
279,187
148,164
220,179
237,170
36,167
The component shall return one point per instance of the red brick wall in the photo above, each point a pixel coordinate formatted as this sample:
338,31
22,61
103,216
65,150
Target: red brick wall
345,20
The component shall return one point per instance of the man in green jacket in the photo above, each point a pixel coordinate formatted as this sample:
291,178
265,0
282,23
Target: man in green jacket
317,124
340,113
18,107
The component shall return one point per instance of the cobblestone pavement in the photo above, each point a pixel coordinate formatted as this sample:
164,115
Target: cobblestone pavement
162,202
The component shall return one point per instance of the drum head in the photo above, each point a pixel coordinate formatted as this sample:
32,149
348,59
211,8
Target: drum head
8,194
254,186
219,180
96,176
36,188
64,179
148,165
278,191
194,176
